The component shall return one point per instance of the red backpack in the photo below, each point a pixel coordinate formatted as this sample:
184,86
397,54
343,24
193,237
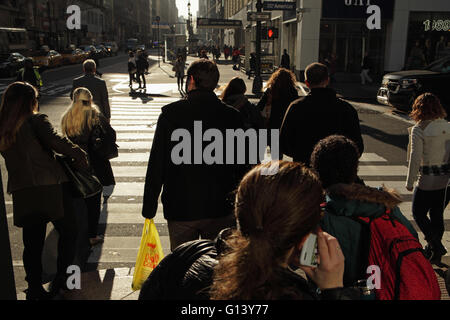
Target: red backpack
405,272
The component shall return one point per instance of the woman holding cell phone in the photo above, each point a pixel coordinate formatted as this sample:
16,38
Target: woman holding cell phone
276,215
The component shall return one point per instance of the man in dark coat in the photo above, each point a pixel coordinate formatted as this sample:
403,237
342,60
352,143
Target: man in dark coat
316,116
285,60
197,197
142,66
96,86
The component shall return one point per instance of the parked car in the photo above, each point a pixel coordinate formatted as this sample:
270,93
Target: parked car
112,48
48,59
400,89
73,56
141,47
10,64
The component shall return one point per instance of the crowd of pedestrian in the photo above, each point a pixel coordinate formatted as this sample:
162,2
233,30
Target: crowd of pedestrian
236,232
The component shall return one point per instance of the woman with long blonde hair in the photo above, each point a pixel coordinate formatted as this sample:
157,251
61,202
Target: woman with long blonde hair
38,184
78,124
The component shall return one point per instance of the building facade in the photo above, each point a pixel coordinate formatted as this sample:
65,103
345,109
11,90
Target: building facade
320,28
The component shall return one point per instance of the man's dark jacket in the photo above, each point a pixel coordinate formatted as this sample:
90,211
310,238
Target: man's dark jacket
191,191
98,89
315,117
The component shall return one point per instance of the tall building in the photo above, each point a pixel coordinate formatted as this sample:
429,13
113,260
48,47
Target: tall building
319,28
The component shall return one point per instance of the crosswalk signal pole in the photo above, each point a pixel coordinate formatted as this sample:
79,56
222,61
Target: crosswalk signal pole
257,82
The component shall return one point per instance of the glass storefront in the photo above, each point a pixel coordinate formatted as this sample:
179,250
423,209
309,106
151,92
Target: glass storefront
348,40
428,38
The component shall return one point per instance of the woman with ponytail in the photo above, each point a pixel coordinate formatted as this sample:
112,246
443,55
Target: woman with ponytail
275,215
77,124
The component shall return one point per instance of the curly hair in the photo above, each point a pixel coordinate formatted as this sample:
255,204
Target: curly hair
274,213
282,83
427,107
335,159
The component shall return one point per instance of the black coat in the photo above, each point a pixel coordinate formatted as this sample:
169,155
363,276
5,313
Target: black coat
279,107
98,89
250,113
32,166
187,273
315,117
191,191
100,167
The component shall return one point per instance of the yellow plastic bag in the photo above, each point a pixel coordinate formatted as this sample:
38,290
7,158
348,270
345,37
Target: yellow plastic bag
149,255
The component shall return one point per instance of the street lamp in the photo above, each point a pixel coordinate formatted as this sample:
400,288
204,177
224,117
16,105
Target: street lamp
257,82
158,19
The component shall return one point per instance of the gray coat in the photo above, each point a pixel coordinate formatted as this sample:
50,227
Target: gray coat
98,89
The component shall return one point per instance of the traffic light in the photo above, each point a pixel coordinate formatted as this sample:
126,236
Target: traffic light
269,33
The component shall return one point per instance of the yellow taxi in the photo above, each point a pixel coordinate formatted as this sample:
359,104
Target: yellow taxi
48,59
73,56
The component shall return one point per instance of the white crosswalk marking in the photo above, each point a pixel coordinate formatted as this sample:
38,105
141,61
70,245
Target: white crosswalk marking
135,123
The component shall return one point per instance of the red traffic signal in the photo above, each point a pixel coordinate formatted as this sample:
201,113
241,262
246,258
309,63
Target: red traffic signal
269,33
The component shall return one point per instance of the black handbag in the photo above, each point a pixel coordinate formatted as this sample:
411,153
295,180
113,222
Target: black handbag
103,142
84,183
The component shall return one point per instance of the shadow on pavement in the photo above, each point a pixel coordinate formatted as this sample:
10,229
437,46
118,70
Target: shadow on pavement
400,141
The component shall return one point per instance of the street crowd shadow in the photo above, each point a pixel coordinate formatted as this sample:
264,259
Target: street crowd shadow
397,140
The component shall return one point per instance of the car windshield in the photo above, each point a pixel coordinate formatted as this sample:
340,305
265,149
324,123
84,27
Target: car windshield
439,65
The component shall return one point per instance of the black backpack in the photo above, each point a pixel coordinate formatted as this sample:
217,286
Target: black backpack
103,142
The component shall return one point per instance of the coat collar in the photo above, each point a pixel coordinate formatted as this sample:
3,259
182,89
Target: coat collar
202,95
351,199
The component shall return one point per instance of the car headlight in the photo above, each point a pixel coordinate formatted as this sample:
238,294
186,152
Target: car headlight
406,83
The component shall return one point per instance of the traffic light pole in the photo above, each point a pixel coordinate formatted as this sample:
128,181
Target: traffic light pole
257,82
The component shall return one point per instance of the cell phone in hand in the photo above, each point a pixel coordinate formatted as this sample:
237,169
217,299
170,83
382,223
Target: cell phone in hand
309,254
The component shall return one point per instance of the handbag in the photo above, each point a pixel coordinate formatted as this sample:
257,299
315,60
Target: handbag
149,255
103,143
84,184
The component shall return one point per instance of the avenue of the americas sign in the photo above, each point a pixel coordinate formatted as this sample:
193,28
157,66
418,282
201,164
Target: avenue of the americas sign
218,23
278,5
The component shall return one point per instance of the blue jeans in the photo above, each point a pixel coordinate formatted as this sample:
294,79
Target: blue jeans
432,202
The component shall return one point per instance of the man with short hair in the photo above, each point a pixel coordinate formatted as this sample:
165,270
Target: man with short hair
95,85
317,116
197,197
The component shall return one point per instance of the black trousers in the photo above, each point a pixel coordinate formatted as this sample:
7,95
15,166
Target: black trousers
180,81
139,76
93,205
34,239
433,202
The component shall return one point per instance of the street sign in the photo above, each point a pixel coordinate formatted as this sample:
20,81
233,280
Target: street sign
259,16
278,5
206,23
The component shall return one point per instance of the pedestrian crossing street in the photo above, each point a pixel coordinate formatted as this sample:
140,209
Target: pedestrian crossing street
121,218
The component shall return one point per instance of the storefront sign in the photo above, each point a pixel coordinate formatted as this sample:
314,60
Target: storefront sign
278,5
436,25
206,23
355,9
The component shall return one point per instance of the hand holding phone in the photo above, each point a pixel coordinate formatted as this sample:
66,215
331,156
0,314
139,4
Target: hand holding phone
329,272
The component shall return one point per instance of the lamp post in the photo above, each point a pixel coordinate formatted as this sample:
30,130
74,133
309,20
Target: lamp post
257,82
158,19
